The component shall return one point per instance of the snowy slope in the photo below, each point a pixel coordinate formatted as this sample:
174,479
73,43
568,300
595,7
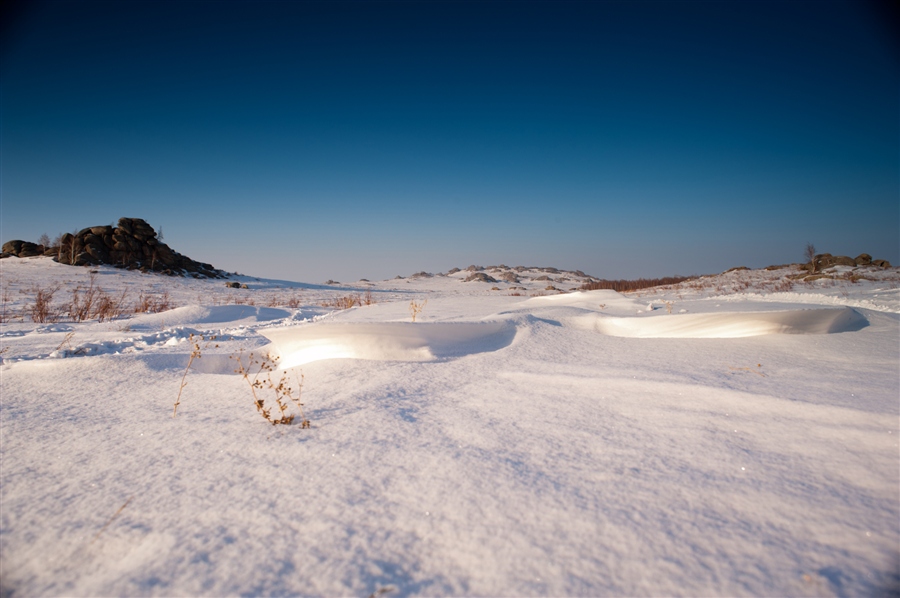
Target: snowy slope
735,435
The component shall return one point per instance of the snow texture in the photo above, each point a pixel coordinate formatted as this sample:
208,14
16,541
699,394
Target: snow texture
736,435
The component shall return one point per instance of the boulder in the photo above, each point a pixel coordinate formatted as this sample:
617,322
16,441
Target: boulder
843,260
21,248
823,260
881,263
12,247
863,259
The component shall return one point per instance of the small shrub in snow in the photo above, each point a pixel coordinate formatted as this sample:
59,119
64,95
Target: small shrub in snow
265,366
42,311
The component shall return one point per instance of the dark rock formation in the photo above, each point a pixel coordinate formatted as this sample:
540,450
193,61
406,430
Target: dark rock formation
132,244
22,248
480,277
843,260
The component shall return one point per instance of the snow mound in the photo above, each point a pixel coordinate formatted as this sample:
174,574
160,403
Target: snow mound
387,341
215,314
603,299
731,325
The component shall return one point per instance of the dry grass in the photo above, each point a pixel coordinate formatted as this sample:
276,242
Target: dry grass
42,310
415,308
757,370
81,305
258,373
86,303
111,519
196,353
153,303
261,380
6,314
634,285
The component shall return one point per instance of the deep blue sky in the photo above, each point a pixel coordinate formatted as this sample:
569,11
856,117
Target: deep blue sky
342,140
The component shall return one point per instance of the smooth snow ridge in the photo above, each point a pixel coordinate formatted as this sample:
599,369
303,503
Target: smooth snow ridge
732,325
387,341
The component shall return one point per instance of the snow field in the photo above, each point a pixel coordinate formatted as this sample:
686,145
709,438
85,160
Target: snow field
501,446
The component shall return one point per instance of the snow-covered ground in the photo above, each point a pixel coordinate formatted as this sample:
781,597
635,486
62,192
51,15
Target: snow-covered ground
732,435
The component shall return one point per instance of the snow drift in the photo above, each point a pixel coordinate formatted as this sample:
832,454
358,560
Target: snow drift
732,325
387,341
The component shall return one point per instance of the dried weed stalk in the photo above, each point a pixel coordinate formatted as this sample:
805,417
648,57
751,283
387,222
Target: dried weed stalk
416,308
756,370
195,354
261,380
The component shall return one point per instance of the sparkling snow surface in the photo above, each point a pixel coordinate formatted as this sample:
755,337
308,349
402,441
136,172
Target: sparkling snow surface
727,436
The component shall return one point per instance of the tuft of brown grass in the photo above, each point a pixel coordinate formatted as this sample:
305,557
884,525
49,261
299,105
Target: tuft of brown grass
42,310
94,303
152,304
82,304
345,302
294,302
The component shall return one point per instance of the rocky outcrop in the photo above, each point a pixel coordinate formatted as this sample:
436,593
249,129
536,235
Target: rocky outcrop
480,277
826,260
19,248
133,244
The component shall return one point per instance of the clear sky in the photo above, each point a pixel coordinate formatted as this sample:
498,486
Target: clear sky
316,140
